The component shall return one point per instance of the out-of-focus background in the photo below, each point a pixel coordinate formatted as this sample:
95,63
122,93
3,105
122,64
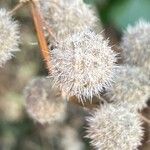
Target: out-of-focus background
17,130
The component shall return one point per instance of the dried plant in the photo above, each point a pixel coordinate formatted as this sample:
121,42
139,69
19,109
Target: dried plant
131,86
136,45
83,65
43,102
76,16
83,69
115,127
9,36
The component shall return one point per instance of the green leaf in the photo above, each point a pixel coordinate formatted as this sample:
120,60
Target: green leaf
128,12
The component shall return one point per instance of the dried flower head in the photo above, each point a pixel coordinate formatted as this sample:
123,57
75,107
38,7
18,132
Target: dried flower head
136,45
9,36
83,65
131,86
43,102
67,16
113,127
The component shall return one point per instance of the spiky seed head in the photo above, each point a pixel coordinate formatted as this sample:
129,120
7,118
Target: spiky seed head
113,127
67,16
43,102
131,86
136,45
83,64
9,36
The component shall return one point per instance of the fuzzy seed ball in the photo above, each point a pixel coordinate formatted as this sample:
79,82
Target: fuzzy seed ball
136,45
131,86
43,102
9,36
67,16
113,127
83,65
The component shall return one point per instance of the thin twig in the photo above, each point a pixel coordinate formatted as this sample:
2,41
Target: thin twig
145,119
17,7
50,31
86,104
40,33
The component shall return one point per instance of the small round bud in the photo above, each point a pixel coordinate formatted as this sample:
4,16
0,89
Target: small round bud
83,65
131,86
113,127
9,36
43,102
136,45
67,16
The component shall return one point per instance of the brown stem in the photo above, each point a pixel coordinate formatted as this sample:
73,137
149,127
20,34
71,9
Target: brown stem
40,33
95,102
51,33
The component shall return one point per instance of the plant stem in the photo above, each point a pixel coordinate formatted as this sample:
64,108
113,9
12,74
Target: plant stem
145,119
17,7
40,34
95,102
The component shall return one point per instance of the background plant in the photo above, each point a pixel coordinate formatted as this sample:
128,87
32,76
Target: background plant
22,74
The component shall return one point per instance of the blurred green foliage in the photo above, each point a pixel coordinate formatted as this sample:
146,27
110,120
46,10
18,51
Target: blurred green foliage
121,13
